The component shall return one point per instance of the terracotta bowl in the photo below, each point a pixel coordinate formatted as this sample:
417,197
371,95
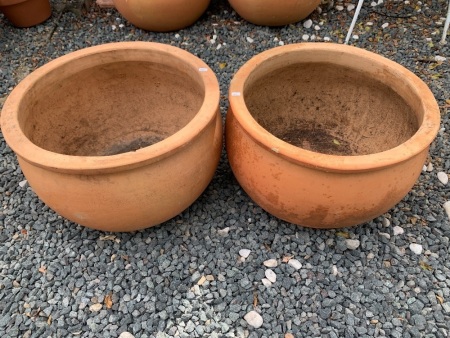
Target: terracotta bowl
26,13
326,135
117,137
274,12
161,15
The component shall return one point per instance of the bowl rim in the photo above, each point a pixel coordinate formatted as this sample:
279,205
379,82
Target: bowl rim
420,141
28,151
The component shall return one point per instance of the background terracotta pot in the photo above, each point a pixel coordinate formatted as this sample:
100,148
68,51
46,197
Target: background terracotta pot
26,13
161,15
117,137
274,12
327,135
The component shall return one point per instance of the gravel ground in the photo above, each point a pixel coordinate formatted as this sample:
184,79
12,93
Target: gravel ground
387,278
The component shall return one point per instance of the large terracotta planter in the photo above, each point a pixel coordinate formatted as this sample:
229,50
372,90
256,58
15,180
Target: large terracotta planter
327,135
117,137
26,13
274,12
161,15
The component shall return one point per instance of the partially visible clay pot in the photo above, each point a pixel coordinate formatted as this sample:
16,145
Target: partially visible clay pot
161,15
327,135
117,137
274,12
26,13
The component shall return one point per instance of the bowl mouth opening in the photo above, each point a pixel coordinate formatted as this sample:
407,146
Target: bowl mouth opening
156,53
400,80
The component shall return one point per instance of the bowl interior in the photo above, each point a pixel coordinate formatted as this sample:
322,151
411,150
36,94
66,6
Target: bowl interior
109,108
330,109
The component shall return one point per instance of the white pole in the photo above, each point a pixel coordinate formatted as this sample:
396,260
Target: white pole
355,17
447,23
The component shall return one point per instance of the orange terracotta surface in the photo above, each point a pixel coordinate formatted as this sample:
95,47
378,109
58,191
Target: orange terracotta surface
161,15
128,190
274,12
315,189
25,13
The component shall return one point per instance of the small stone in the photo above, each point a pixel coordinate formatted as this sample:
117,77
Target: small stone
254,319
267,283
350,7
327,38
439,58
386,222
416,248
271,276
305,37
244,253
340,8
317,28
249,39
352,244
95,307
23,183
224,231
447,208
385,25
334,270
430,167
295,264
271,263
443,177
385,235
424,168
398,230
126,335
446,307
308,23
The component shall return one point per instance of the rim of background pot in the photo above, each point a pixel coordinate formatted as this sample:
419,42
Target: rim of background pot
10,2
406,84
112,52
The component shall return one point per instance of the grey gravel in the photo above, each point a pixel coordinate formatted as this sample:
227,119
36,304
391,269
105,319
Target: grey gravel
378,288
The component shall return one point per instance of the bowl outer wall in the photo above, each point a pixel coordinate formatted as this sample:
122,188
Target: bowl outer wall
161,15
128,191
320,190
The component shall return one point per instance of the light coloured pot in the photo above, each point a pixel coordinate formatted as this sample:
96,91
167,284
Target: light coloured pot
274,12
161,15
117,137
26,13
326,135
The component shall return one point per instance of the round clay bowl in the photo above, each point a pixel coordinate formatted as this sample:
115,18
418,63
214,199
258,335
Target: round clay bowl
117,137
161,15
274,12
327,135
26,13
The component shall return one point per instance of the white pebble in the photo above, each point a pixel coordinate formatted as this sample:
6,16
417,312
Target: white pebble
249,39
271,276
275,39
430,167
447,208
254,319
326,38
295,264
369,23
121,25
313,37
385,235
424,168
386,222
23,183
308,23
370,255
218,46
126,335
334,270
350,7
385,25
224,231
416,248
271,263
317,27
244,253
355,37
177,36
305,37
439,58
267,283
339,8
397,230
281,43
373,4
443,177
113,27
380,2
352,244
